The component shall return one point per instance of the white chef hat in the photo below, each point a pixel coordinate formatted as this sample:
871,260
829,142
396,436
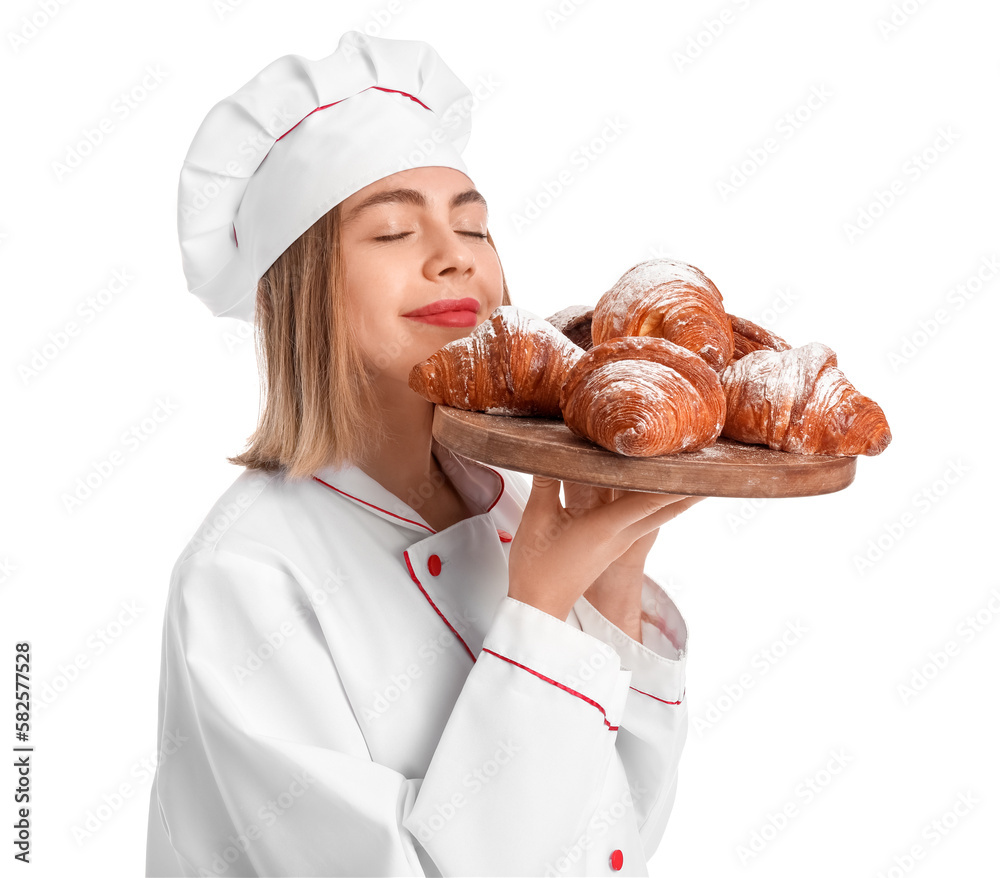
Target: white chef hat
326,128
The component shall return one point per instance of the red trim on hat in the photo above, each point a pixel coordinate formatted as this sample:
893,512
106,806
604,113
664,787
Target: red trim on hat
325,106
398,92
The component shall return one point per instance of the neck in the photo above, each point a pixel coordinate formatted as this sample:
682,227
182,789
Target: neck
404,463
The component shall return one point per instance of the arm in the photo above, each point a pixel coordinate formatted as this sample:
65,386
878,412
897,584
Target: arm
655,719
273,774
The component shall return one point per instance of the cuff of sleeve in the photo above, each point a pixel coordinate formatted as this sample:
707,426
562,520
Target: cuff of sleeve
658,663
571,659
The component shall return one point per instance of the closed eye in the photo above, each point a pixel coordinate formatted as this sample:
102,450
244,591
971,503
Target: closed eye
400,235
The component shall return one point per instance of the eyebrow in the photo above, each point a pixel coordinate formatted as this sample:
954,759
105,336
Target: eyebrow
411,196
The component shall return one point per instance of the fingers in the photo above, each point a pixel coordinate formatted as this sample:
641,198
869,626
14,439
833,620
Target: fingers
635,506
660,516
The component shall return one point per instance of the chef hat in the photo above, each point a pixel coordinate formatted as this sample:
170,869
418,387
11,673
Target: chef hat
296,140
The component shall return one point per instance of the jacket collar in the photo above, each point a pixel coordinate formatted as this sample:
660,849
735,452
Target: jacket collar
481,486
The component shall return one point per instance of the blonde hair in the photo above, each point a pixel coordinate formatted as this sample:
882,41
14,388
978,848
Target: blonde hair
317,387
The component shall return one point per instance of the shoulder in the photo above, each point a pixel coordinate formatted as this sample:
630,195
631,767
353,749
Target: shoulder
252,517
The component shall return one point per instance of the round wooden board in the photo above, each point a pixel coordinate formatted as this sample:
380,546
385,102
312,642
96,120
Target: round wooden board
726,469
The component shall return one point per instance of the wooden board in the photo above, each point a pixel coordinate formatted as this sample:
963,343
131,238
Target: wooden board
726,469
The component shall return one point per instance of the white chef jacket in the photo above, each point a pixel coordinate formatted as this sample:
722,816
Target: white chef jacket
346,691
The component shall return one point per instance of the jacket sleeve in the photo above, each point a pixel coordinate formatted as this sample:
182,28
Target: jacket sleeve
268,773
655,718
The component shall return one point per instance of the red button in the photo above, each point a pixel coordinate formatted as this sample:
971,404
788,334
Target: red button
617,860
504,536
434,565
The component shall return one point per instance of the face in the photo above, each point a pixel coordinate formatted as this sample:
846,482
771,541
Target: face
409,240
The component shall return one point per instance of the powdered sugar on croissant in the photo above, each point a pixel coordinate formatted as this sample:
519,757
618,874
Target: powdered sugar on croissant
643,396
748,336
798,400
513,363
671,300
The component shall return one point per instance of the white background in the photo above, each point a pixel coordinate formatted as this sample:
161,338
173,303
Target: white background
865,585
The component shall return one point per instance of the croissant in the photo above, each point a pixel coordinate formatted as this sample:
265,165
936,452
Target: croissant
671,300
643,396
798,400
749,337
574,322
513,363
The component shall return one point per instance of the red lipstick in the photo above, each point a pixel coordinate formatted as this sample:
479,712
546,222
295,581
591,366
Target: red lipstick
448,312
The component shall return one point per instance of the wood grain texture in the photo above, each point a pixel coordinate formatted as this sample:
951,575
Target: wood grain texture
726,469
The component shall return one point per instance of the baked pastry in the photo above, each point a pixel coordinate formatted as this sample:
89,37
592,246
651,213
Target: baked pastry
798,400
574,323
513,363
643,396
748,336
671,300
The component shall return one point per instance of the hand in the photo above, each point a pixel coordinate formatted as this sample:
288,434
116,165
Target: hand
580,497
617,592
558,552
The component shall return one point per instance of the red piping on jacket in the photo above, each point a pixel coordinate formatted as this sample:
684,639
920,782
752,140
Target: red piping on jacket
658,699
444,619
333,104
373,506
554,683
496,500
413,576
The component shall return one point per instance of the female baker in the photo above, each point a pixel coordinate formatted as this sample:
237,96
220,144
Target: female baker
380,657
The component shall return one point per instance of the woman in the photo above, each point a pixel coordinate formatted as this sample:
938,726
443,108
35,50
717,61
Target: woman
381,657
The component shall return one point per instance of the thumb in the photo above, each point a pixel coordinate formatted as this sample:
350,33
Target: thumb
544,489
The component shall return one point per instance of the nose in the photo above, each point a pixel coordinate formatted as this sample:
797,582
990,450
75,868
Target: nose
448,253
